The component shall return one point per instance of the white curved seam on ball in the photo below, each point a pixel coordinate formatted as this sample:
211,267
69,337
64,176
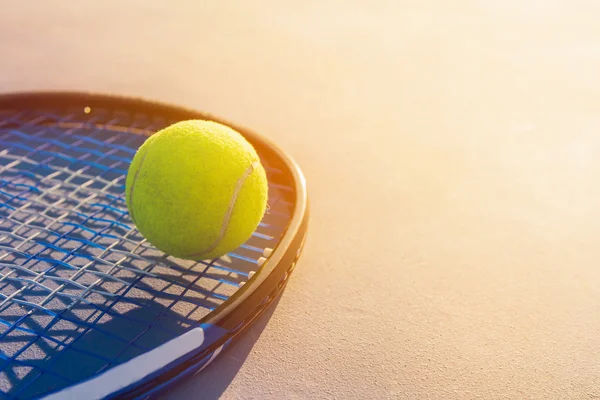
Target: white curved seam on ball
133,185
229,212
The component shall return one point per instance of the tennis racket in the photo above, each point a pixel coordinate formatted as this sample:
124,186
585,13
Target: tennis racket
88,308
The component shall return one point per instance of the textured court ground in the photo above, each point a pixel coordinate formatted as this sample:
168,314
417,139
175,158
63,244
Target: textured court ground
451,154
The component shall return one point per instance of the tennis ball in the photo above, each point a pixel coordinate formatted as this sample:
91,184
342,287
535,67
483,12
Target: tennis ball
196,190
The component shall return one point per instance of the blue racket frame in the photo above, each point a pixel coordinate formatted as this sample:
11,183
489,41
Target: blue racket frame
88,308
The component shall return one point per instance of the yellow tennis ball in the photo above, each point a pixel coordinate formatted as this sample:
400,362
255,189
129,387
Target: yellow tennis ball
196,190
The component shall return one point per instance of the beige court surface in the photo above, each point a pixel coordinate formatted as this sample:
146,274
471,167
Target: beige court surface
451,150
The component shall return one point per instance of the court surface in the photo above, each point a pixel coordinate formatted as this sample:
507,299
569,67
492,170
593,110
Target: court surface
451,151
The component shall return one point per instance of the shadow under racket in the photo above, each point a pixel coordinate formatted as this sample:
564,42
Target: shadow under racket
215,379
115,340
81,335
93,349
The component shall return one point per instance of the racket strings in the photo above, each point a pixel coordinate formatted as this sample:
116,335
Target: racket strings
78,283
77,188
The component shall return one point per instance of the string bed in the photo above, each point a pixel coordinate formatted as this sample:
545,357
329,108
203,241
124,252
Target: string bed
80,288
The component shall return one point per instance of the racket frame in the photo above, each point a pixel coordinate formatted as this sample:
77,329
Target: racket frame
240,310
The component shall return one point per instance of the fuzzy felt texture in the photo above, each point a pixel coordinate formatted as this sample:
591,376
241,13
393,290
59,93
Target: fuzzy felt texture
196,189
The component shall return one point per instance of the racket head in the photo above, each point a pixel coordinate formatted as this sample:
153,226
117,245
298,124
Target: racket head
82,295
